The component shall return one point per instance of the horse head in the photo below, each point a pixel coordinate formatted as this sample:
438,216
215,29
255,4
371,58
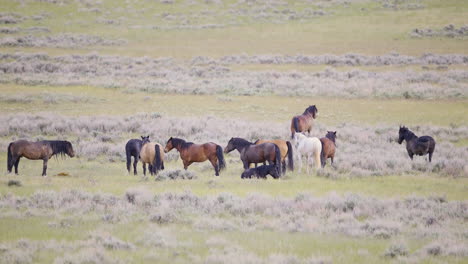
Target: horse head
169,146
70,151
401,134
331,135
311,110
230,146
144,140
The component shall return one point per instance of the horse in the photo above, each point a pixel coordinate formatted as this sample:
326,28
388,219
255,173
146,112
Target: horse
309,146
302,123
261,172
43,150
191,152
416,145
328,147
151,153
285,149
251,153
132,149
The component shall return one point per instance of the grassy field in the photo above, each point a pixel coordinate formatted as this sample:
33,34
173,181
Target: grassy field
120,69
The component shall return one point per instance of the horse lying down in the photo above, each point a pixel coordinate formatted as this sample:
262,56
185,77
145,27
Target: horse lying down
262,172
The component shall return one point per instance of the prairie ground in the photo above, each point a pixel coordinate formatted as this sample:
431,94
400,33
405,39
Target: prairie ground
98,73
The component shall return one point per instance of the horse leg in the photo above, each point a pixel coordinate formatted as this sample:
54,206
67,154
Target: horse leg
150,169
430,156
135,162
144,168
16,163
44,167
214,163
186,164
332,157
284,166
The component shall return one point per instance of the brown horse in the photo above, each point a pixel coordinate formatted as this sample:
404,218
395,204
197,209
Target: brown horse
285,149
153,154
251,153
328,148
43,150
190,153
302,123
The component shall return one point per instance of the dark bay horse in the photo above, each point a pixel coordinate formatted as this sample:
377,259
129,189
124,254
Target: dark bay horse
302,123
190,153
328,147
285,149
251,153
153,154
416,145
132,149
41,150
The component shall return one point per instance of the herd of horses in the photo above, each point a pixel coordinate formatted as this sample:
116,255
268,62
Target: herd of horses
274,152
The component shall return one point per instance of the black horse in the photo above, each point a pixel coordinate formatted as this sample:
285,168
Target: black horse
132,149
261,172
416,145
251,153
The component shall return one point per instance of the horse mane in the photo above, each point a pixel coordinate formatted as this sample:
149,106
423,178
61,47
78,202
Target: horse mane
408,133
240,142
180,143
59,147
310,110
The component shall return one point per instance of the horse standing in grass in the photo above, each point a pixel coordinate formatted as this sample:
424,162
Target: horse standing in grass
41,150
190,153
304,122
132,149
251,153
309,147
416,145
152,154
285,149
328,147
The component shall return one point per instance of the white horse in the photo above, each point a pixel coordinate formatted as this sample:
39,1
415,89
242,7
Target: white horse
309,147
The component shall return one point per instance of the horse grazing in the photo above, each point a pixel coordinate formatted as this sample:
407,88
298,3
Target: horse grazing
308,146
261,172
302,123
190,153
416,145
285,149
152,154
132,149
251,153
328,147
43,150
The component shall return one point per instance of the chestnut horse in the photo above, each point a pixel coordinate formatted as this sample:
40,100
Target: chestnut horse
251,153
302,123
416,145
152,154
328,147
190,153
285,149
41,150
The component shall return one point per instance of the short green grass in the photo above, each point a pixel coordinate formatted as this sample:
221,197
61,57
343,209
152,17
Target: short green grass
332,111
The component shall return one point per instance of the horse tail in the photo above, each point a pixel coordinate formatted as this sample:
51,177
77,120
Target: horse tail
322,155
10,158
220,155
278,158
290,156
157,163
318,154
129,157
295,126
